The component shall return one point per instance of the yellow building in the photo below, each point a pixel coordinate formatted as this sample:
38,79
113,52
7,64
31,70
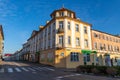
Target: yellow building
107,47
1,41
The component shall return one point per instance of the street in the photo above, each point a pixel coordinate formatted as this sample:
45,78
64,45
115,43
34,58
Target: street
32,71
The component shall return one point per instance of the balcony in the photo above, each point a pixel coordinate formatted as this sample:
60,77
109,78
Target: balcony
59,46
60,30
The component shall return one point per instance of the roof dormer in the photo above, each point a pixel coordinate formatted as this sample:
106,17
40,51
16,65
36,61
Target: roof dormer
63,12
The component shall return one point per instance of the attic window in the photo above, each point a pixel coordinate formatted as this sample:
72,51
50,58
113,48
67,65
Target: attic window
61,13
69,14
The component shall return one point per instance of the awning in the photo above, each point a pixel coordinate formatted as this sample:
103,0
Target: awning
88,52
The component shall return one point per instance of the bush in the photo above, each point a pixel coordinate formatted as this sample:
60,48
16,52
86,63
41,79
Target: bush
102,69
81,69
99,70
95,71
86,68
118,70
111,71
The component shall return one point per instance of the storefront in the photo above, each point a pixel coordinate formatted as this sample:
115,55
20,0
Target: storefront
89,57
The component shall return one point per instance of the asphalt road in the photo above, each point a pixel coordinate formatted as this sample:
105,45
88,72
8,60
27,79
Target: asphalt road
30,71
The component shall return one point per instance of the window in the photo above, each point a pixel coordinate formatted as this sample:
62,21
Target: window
101,48
53,27
104,46
118,49
99,36
108,47
86,57
61,40
45,31
61,24
48,42
49,30
86,43
95,45
95,35
110,39
111,48
61,13
69,14
53,42
85,30
68,25
74,56
103,37
106,38
77,42
77,27
69,40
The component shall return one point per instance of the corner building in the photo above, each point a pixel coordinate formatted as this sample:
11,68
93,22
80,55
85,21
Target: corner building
65,40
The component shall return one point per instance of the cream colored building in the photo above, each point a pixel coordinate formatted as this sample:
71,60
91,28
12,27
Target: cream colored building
66,41
61,41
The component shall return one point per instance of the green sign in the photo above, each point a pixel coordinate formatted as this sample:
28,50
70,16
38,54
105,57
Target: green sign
88,52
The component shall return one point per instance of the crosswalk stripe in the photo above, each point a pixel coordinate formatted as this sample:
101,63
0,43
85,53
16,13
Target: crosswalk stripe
49,69
20,69
24,69
37,68
10,70
17,69
31,69
41,68
2,70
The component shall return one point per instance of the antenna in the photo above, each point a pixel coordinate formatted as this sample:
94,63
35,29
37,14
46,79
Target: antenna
63,6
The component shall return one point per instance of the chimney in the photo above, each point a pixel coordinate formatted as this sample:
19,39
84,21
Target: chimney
41,27
47,22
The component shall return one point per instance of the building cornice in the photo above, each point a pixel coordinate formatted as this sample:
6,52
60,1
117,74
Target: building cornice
105,33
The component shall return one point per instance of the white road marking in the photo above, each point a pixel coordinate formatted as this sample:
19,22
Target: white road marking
17,69
41,68
10,70
49,69
37,68
2,70
31,69
61,77
24,69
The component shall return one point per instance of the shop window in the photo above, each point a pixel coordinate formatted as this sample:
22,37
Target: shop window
86,57
74,56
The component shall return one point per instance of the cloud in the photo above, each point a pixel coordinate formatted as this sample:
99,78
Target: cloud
7,8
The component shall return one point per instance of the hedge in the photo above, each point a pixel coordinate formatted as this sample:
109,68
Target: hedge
105,70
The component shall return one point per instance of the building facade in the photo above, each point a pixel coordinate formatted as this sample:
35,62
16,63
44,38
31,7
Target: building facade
66,41
107,47
1,42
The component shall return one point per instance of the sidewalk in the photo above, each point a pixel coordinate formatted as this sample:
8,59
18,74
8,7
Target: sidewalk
1,64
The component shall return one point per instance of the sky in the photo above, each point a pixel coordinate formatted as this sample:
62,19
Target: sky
20,17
